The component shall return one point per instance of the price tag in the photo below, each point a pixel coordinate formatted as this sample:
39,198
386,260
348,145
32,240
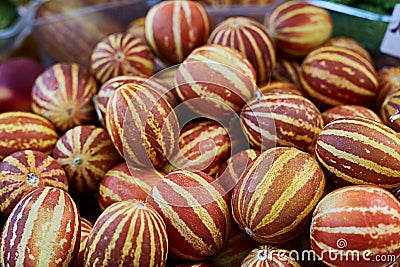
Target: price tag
391,41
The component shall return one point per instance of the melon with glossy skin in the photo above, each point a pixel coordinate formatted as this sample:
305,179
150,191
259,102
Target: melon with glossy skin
63,94
123,182
86,153
282,120
333,76
121,54
351,44
25,130
128,233
142,125
360,224
204,146
108,88
359,151
174,28
252,39
276,195
346,111
196,212
42,230
215,81
298,27
24,171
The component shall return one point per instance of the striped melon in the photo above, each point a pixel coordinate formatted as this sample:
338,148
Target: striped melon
359,151
86,228
252,39
86,153
63,94
204,145
281,119
237,247
121,54
127,233
276,194
174,28
142,125
24,171
196,212
359,225
287,70
215,81
333,76
108,88
42,230
346,111
25,130
298,27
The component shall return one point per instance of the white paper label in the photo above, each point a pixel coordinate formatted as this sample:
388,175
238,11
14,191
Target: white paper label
391,41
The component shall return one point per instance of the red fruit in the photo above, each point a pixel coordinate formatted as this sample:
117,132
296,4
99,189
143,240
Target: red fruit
108,88
86,153
215,81
333,76
24,171
17,76
195,211
252,39
356,226
63,94
123,183
121,54
276,194
283,120
347,111
142,125
359,151
298,27
351,44
128,233
204,146
175,28
42,230
25,130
